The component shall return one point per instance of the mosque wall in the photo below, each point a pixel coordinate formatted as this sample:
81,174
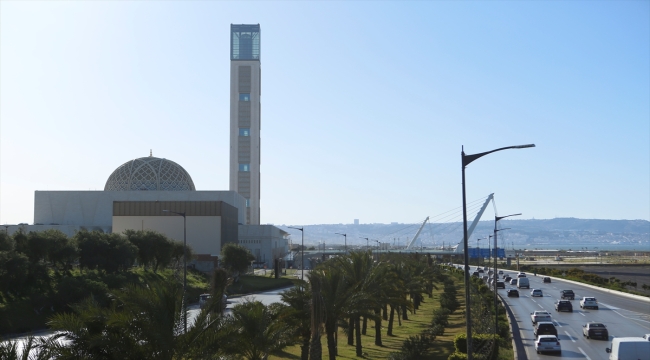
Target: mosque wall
203,232
94,209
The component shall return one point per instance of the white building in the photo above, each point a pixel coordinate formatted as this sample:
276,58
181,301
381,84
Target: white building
158,194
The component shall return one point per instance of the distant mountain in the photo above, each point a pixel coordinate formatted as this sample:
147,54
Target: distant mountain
559,233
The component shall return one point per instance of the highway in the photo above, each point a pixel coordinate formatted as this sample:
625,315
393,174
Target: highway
623,316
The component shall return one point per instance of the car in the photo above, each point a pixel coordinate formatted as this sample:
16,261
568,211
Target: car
545,328
567,294
589,302
501,285
204,299
512,293
539,316
500,272
475,273
536,292
523,283
480,270
595,330
563,305
628,348
513,281
520,275
548,343
485,278
507,278
546,279
647,337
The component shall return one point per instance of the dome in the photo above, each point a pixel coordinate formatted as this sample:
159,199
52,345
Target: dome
150,173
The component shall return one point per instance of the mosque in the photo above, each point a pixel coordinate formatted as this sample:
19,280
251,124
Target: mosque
151,193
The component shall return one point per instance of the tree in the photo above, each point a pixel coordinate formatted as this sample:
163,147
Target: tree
62,251
259,332
107,252
236,258
143,321
154,249
14,272
6,242
297,315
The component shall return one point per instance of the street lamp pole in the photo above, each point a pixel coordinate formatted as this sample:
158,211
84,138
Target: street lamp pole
367,241
478,252
184,264
302,250
345,236
496,252
466,160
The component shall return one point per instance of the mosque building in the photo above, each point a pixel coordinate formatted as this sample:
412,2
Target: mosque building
151,193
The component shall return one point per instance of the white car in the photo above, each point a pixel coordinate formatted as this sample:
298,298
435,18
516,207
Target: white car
589,302
548,343
536,292
540,315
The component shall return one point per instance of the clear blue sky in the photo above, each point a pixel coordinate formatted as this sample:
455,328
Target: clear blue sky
365,105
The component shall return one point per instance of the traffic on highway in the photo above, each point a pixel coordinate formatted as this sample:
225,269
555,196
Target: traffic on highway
584,328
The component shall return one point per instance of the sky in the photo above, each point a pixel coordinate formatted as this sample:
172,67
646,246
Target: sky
366,105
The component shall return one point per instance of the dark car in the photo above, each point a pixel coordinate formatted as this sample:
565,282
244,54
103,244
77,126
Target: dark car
595,330
546,279
501,285
545,328
507,278
512,293
563,305
567,294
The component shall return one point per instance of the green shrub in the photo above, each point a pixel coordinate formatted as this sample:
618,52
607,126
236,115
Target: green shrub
457,356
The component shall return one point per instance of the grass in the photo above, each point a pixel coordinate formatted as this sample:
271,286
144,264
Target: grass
417,322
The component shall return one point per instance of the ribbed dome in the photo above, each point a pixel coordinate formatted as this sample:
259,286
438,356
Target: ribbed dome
149,173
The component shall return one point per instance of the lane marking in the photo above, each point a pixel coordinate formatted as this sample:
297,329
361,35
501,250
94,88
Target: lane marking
583,353
557,323
610,306
540,306
581,313
567,334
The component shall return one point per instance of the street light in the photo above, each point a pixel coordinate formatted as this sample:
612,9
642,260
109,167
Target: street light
478,252
346,241
496,252
378,246
184,263
367,240
466,160
302,251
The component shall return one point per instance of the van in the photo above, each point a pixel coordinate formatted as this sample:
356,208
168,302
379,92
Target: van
523,282
629,348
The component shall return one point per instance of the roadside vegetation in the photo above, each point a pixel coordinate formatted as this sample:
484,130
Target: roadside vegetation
396,306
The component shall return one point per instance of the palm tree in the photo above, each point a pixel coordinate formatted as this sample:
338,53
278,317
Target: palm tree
142,322
257,331
358,268
334,292
297,315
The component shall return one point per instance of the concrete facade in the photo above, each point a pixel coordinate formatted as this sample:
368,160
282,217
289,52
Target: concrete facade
266,242
245,117
93,210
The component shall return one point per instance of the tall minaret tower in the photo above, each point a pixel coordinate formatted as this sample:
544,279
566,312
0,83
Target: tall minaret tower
245,90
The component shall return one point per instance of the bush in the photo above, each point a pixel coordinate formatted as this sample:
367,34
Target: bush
478,341
457,356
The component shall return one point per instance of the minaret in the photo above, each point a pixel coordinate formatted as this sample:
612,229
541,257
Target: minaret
245,91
